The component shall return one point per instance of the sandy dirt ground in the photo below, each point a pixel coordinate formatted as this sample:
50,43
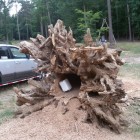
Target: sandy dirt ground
51,124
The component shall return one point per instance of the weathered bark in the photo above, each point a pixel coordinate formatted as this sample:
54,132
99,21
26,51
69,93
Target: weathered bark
22,112
95,67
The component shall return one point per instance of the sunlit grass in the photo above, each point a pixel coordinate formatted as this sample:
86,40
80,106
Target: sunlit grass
130,70
130,48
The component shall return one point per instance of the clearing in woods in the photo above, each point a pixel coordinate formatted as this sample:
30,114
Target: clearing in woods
49,124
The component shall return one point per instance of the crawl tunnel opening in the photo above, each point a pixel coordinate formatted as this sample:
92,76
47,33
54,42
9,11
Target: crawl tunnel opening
73,79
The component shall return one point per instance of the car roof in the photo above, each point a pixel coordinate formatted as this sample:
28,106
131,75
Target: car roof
8,45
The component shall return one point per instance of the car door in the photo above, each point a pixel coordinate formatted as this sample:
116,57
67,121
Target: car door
23,65
7,66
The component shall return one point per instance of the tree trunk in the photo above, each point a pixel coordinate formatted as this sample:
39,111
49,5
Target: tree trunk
18,24
27,28
129,22
46,30
117,24
111,38
47,5
41,26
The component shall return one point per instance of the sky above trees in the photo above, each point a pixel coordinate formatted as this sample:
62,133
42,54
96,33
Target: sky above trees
14,9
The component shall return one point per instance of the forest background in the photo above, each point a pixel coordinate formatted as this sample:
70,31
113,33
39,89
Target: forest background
34,16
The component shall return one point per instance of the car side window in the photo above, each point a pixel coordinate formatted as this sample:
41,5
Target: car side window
17,54
3,54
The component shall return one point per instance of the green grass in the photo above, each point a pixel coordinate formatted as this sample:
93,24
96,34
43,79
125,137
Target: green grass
130,70
6,114
130,48
1,103
132,115
134,112
7,107
136,129
8,101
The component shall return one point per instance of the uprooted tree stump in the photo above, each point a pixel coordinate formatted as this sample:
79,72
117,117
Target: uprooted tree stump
92,72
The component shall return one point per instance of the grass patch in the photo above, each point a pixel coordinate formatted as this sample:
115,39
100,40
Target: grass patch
130,46
1,103
130,49
7,107
133,111
136,129
130,70
7,101
6,115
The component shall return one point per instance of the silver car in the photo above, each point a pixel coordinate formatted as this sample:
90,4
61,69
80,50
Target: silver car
14,65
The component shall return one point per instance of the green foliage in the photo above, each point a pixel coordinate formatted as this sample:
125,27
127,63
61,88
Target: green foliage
36,15
103,30
88,19
135,16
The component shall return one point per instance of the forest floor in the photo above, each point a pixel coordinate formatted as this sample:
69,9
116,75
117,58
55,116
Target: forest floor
50,124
